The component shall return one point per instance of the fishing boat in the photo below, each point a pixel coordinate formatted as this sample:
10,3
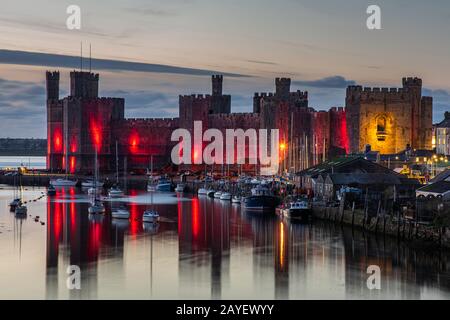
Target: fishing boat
115,191
261,200
300,209
51,190
226,196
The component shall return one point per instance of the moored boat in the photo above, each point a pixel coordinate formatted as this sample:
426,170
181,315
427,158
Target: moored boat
236,200
51,190
164,185
115,192
120,214
21,210
150,216
226,196
300,209
217,194
261,200
63,182
180,187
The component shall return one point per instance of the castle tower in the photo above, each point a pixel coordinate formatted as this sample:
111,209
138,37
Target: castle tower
217,83
283,87
52,85
414,86
84,84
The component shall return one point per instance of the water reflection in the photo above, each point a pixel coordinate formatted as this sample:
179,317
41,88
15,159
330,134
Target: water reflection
204,248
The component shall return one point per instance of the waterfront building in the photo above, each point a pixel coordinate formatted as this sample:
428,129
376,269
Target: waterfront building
443,136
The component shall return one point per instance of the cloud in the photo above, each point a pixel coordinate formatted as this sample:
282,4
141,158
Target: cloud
72,62
335,82
262,62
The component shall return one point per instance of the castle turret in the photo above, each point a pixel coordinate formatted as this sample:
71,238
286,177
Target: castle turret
283,87
52,85
84,84
217,83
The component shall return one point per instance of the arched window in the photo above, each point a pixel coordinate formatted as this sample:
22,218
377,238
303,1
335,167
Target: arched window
381,128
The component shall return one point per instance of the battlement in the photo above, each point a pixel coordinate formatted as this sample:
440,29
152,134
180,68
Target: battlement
217,77
195,98
85,75
263,95
412,82
337,109
300,95
151,122
52,75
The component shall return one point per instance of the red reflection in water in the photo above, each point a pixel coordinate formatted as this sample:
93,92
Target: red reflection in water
135,217
95,233
195,219
72,165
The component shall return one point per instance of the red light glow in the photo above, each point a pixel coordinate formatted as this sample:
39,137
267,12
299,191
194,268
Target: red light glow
96,134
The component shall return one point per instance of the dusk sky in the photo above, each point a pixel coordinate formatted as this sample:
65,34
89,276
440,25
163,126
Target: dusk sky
323,45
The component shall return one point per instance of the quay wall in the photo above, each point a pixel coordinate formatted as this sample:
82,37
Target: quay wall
403,229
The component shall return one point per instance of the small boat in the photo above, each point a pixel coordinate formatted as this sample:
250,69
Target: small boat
150,216
226,196
151,187
51,190
299,209
63,183
115,192
202,192
217,194
91,184
21,210
15,203
120,214
164,185
97,207
210,193
180,187
236,199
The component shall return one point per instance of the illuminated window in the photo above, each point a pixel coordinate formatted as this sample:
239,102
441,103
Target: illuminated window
381,129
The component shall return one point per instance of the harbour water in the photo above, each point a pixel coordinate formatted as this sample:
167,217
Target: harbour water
201,249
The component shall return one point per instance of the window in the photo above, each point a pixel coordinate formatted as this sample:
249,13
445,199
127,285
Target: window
381,128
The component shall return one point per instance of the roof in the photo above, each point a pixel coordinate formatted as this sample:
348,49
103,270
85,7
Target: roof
441,176
440,187
446,122
349,164
365,179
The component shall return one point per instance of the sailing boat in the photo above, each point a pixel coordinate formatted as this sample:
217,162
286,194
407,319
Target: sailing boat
60,182
20,209
96,206
151,215
17,201
115,190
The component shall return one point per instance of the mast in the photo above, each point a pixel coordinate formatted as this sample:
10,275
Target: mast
117,163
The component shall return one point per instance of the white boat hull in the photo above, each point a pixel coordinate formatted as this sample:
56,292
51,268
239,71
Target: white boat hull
63,183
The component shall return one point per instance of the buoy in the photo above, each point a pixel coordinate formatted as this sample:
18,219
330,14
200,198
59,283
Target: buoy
42,223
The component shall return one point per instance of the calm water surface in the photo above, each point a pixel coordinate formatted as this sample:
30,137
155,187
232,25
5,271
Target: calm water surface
201,249
17,161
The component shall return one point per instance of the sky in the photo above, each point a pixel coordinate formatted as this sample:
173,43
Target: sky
150,51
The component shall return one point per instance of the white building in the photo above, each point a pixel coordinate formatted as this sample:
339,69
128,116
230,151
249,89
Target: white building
443,136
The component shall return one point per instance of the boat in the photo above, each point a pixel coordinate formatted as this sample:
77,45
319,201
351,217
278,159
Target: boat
217,194
164,185
151,186
202,192
180,187
120,214
51,191
21,210
91,184
115,191
150,227
226,196
150,216
97,206
236,200
300,209
210,193
15,203
261,200
63,182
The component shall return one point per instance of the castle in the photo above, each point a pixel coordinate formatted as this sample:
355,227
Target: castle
389,119
84,124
